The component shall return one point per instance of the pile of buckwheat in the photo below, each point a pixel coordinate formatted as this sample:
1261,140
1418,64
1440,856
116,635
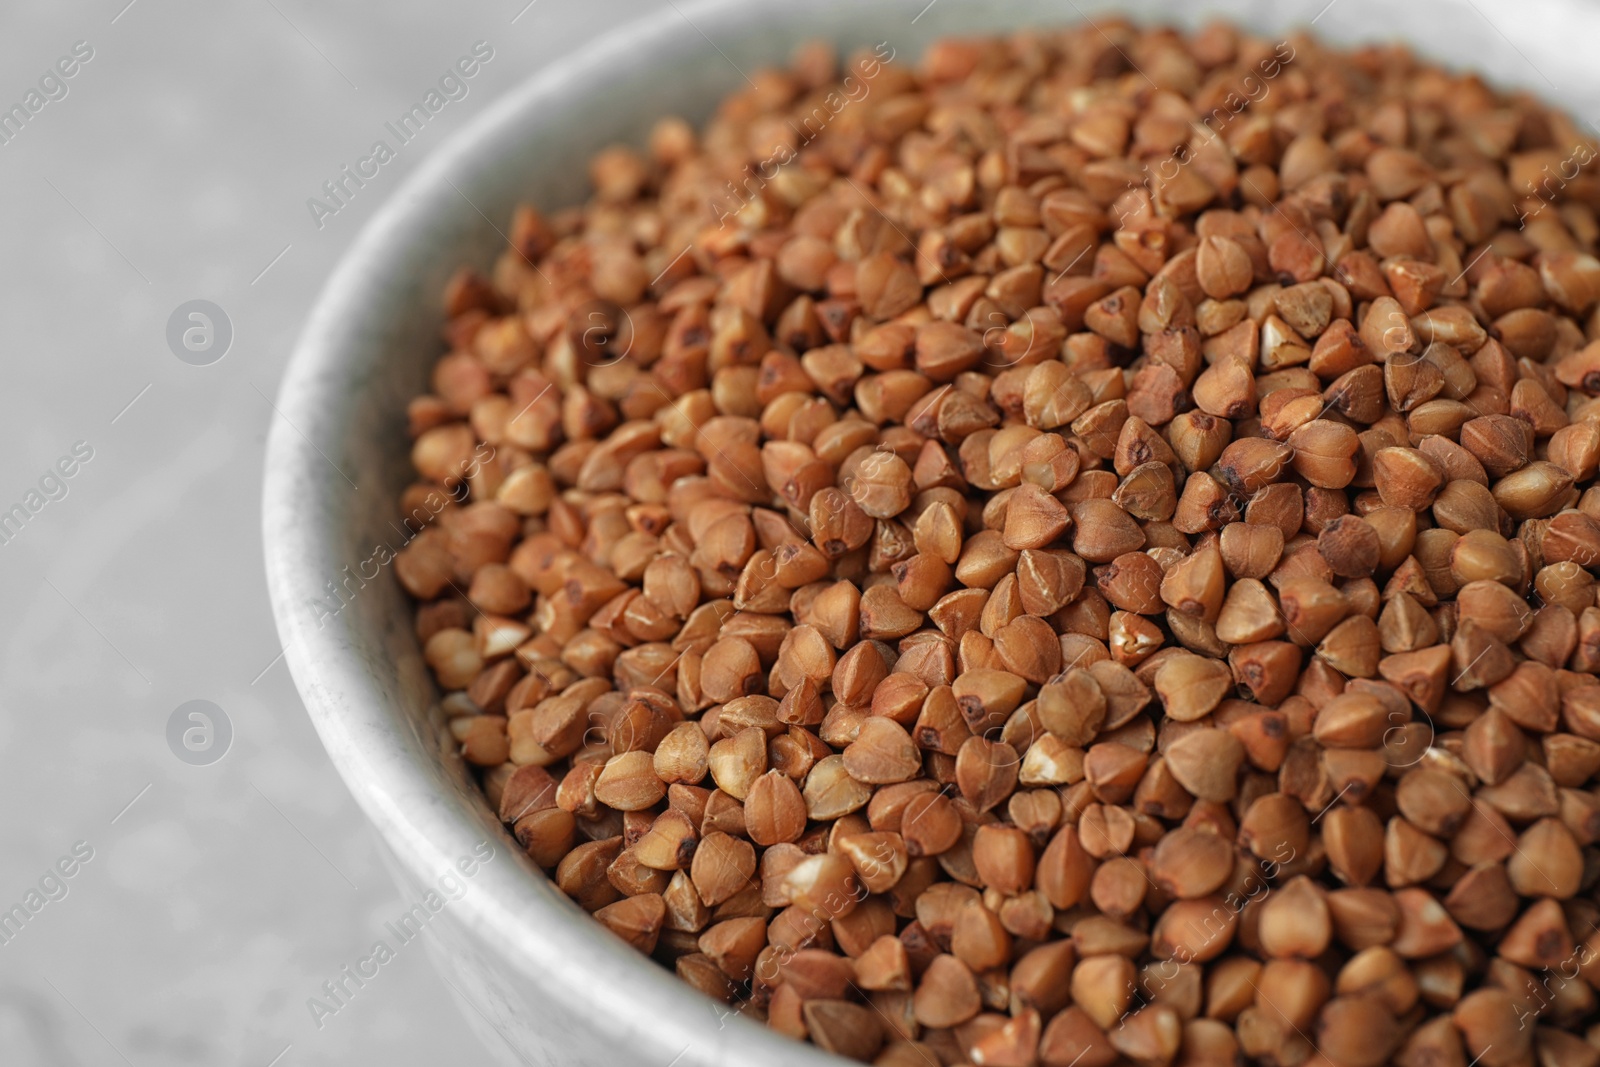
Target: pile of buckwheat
1080,551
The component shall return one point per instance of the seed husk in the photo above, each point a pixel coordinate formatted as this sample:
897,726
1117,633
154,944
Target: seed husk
1191,687
1150,1036
1357,1031
1206,762
736,762
1547,861
1073,709
986,771
774,810
629,783
1489,1023
722,866
830,792
1294,921
882,753
1190,863
948,994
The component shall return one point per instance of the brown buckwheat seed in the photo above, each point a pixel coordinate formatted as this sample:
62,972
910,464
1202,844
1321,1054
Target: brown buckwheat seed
1077,549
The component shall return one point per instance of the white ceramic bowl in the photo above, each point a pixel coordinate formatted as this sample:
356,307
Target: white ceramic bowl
553,984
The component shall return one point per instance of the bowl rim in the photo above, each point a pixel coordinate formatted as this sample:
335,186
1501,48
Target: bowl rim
659,1016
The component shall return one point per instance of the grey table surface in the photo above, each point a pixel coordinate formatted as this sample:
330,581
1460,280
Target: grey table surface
216,898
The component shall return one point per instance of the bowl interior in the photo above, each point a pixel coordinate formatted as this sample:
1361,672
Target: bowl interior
338,460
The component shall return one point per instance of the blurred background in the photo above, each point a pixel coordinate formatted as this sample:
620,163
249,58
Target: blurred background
228,876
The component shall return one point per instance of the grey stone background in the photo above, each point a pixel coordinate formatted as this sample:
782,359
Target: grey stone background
176,168
220,896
